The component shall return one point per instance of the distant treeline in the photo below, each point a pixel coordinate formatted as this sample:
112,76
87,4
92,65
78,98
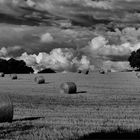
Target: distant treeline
47,70
14,66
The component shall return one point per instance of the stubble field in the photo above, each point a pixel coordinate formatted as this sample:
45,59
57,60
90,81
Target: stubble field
102,103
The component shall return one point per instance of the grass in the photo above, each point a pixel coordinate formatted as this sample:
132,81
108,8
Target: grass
104,104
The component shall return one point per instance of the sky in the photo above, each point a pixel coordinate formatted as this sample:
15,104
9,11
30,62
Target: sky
35,26
81,11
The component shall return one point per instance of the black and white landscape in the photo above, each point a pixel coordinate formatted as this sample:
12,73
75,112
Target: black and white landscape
69,69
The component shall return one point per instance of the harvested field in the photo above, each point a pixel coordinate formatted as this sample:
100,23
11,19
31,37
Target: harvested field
103,102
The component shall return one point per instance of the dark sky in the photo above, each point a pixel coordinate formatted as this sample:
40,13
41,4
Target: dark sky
24,23
76,10
35,26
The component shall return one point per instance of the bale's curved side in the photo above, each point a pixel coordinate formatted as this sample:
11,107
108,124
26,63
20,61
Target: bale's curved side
2,74
86,72
79,71
14,77
6,109
83,71
35,79
39,80
68,88
138,75
102,72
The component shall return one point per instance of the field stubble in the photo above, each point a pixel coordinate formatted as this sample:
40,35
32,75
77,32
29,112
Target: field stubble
103,102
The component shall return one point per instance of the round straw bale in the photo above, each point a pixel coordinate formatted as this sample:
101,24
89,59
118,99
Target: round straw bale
109,70
138,75
79,71
2,74
102,71
6,109
40,80
68,87
14,77
35,79
85,71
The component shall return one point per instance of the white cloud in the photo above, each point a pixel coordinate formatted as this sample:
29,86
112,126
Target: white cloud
128,34
116,66
83,63
30,3
14,48
99,4
29,59
58,59
3,52
47,38
2,1
100,47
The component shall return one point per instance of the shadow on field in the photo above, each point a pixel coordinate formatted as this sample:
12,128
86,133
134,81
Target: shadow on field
113,135
81,92
28,119
48,82
12,129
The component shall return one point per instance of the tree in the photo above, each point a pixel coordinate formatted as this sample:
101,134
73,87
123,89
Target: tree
47,70
14,66
134,59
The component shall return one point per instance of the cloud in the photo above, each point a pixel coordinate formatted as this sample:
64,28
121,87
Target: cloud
58,59
29,59
128,34
116,66
47,38
99,4
29,37
100,47
30,3
7,52
84,12
88,12
114,46
113,50
101,50
3,52
83,63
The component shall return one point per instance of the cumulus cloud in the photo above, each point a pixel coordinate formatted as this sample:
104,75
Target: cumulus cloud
6,52
2,1
58,59
109,53
29,59
116,66
47,38
99,50
100,47
29,37
114,47
83,63
30,3
128,34
3,52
